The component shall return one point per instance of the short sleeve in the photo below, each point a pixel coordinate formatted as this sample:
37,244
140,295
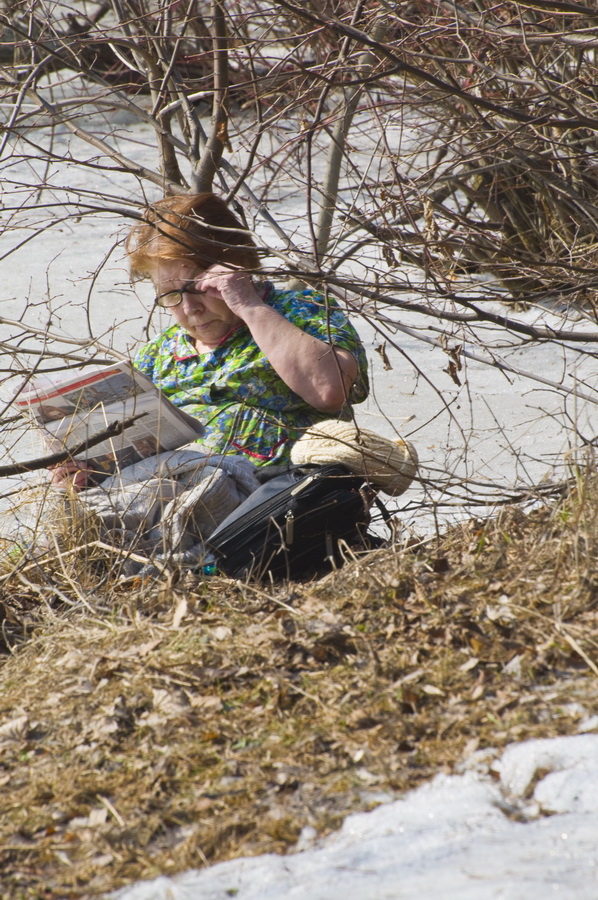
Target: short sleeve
323,318
145,358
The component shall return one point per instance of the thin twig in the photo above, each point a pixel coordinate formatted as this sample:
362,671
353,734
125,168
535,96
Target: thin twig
44,462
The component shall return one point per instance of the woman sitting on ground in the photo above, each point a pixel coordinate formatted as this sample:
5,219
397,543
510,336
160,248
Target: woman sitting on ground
258,365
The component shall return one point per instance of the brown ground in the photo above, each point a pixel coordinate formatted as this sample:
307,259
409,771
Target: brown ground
151,727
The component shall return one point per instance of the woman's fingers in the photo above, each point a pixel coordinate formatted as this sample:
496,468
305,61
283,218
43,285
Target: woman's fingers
235,287
221,276
73,472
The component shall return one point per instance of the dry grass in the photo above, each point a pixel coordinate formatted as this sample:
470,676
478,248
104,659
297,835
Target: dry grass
197,721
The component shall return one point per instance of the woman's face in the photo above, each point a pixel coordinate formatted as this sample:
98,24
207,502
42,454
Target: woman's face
205,316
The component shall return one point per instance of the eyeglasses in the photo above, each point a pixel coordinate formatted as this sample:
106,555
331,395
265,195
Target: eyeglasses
172,298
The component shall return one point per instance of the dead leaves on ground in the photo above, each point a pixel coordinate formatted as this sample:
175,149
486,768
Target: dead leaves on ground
209,719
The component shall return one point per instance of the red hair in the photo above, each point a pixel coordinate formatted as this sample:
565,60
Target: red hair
196,227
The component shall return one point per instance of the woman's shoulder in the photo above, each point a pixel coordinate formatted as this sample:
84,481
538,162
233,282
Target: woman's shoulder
167,342
295,301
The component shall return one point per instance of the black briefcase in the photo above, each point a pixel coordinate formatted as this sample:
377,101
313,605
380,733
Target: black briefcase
292,524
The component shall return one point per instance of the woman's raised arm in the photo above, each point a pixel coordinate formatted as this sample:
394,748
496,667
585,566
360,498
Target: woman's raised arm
320,373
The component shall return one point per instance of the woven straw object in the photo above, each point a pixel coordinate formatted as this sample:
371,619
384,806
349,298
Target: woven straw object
388,465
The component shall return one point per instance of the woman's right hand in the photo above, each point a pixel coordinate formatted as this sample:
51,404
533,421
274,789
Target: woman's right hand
73,473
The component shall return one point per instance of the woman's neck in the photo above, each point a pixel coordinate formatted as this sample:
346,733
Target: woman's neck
207,348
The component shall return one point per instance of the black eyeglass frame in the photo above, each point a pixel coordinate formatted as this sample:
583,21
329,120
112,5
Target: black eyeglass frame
186,289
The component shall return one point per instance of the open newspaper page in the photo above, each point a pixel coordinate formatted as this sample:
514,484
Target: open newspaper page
74,408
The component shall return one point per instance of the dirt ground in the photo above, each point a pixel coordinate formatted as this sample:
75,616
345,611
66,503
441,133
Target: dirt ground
151,726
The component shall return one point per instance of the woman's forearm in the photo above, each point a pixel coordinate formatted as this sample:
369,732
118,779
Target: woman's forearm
320,373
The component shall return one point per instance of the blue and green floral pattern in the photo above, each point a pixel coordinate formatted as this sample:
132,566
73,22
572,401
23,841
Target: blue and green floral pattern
234,391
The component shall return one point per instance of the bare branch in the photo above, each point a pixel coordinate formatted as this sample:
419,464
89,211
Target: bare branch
203,175
338,141
54,459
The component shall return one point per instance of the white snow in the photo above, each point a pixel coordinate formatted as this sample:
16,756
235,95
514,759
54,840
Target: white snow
490,832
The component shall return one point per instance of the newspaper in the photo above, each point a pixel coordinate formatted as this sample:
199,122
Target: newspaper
70,410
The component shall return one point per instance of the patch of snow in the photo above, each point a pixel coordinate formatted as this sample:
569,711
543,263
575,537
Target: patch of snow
461,837
589,724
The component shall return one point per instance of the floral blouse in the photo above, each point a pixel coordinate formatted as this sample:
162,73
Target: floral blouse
234,391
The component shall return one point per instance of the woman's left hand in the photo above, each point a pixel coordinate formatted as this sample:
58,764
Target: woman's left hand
233,285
